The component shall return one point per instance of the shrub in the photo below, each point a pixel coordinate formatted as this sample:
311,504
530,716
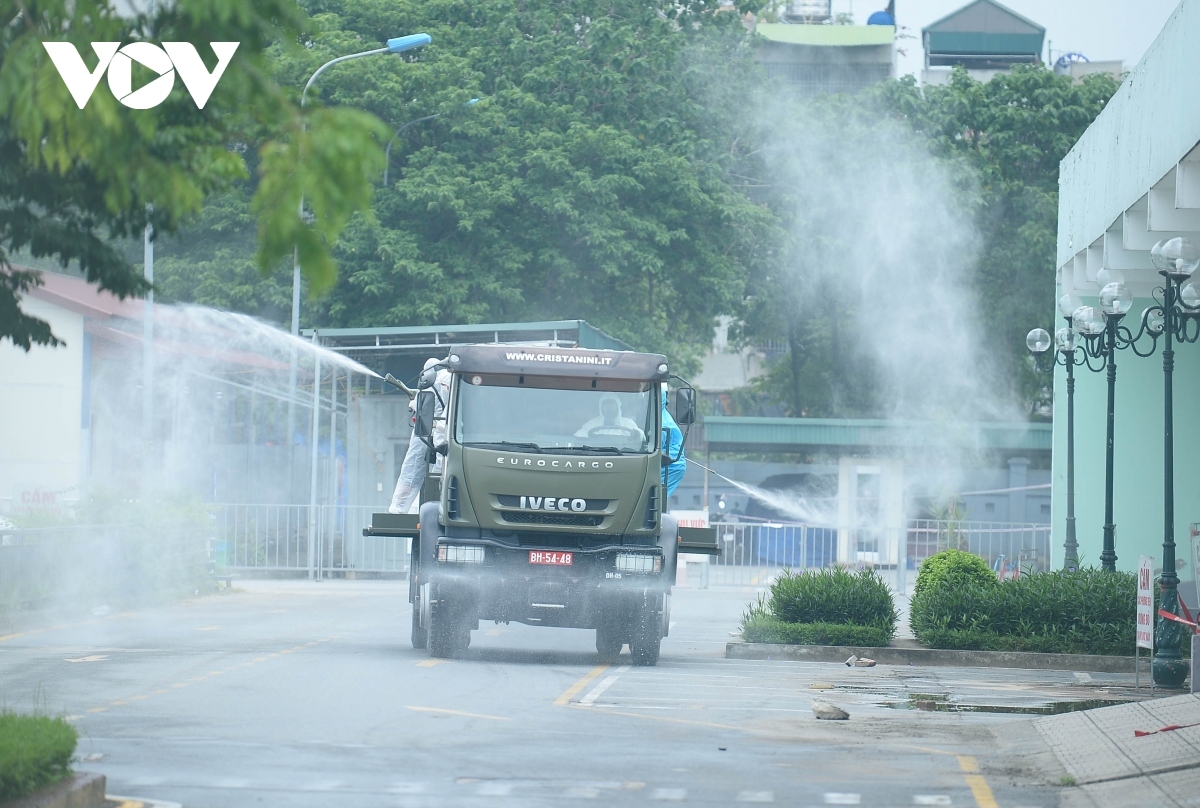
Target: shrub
823,607
956,567
1088,611
35,751
834,596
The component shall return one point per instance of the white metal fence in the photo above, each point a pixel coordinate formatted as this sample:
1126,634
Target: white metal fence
319,541
752,553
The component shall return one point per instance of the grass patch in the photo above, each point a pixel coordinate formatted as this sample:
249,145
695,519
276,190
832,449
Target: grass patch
35,751
764,628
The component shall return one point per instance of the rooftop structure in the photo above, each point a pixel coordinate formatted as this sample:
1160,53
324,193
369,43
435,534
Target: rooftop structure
984,37
822,59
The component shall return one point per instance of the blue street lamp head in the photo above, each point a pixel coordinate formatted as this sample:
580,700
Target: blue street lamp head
403,43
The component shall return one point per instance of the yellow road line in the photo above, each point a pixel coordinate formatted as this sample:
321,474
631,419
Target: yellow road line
980,789
573,691
456,712
429,663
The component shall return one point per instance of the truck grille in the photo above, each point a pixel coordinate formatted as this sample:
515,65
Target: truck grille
538,518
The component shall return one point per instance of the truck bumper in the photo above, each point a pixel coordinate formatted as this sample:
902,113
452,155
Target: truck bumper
507,587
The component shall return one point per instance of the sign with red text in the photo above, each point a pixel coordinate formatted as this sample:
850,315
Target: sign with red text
1145,603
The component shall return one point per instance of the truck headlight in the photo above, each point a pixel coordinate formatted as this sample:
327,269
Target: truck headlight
460,553
638,562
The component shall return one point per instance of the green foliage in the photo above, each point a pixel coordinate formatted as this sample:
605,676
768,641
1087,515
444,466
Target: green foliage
594,179
835,596
823,607
954,568
770,629
999,144
1088,612
76,180
35,751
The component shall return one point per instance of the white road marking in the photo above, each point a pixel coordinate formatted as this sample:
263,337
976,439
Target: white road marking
669,794
323,785
596,691
406,788
931,799
494,789
836,798
756,796
1082,677
582,793
89,658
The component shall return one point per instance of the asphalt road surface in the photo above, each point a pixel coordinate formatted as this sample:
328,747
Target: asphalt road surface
298,693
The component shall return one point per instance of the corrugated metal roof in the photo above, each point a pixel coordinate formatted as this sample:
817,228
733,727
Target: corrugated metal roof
845,36
729,433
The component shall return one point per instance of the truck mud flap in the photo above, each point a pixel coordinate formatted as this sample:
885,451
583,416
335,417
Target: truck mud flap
699,540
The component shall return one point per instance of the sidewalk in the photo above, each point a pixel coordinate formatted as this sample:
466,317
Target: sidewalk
1111,766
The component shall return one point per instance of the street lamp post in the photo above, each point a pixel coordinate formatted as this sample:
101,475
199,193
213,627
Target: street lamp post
1177,317
395,45
387,155
1100,332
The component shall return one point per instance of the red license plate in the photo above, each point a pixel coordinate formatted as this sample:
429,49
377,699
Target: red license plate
555,559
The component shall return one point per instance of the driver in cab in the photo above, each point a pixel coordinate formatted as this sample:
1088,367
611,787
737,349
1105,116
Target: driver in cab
610,421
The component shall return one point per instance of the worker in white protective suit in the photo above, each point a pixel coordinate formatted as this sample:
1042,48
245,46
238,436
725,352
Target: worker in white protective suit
610,416
406,497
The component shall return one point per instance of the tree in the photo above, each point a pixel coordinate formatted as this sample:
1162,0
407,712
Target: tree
953,190
74,181
594,179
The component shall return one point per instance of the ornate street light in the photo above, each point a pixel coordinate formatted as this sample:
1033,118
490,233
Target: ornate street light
1176,316
1065,341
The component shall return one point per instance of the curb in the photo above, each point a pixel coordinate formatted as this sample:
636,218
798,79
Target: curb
81,790
931,657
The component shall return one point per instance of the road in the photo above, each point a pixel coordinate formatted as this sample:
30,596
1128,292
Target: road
298,693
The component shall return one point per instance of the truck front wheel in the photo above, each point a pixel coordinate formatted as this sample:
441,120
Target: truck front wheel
449,631
647,638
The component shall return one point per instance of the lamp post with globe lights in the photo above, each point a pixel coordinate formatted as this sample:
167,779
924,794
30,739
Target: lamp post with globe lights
1174,317
1069,353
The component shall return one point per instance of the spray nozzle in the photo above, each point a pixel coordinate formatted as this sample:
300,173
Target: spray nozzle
392,380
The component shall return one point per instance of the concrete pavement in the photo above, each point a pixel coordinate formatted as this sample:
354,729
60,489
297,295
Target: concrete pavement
298,693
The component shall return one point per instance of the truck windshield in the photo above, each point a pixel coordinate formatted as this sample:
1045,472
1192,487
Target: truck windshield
523,413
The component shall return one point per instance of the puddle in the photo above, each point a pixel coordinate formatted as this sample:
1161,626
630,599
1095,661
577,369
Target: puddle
940,703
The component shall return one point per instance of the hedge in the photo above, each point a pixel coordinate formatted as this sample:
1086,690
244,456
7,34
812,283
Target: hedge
823,607
35,751
1087,611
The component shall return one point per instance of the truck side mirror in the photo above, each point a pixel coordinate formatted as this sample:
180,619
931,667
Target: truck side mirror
685,406
423,428
427,378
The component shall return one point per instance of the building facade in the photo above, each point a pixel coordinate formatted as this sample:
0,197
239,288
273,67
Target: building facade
1132,180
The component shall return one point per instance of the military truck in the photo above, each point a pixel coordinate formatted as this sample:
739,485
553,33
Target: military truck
549,506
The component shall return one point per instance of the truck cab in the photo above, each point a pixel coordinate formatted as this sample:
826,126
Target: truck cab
550,508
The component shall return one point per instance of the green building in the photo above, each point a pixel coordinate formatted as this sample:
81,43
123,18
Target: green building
1132,180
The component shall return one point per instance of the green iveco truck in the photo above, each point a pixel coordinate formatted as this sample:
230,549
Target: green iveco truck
549,505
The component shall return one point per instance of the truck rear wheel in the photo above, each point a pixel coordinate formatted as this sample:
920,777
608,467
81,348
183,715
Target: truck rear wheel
609,643
420,635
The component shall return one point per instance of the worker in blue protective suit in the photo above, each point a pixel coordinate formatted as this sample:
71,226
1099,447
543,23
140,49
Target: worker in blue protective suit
672,474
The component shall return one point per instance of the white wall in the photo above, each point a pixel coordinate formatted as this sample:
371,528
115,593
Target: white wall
40,411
